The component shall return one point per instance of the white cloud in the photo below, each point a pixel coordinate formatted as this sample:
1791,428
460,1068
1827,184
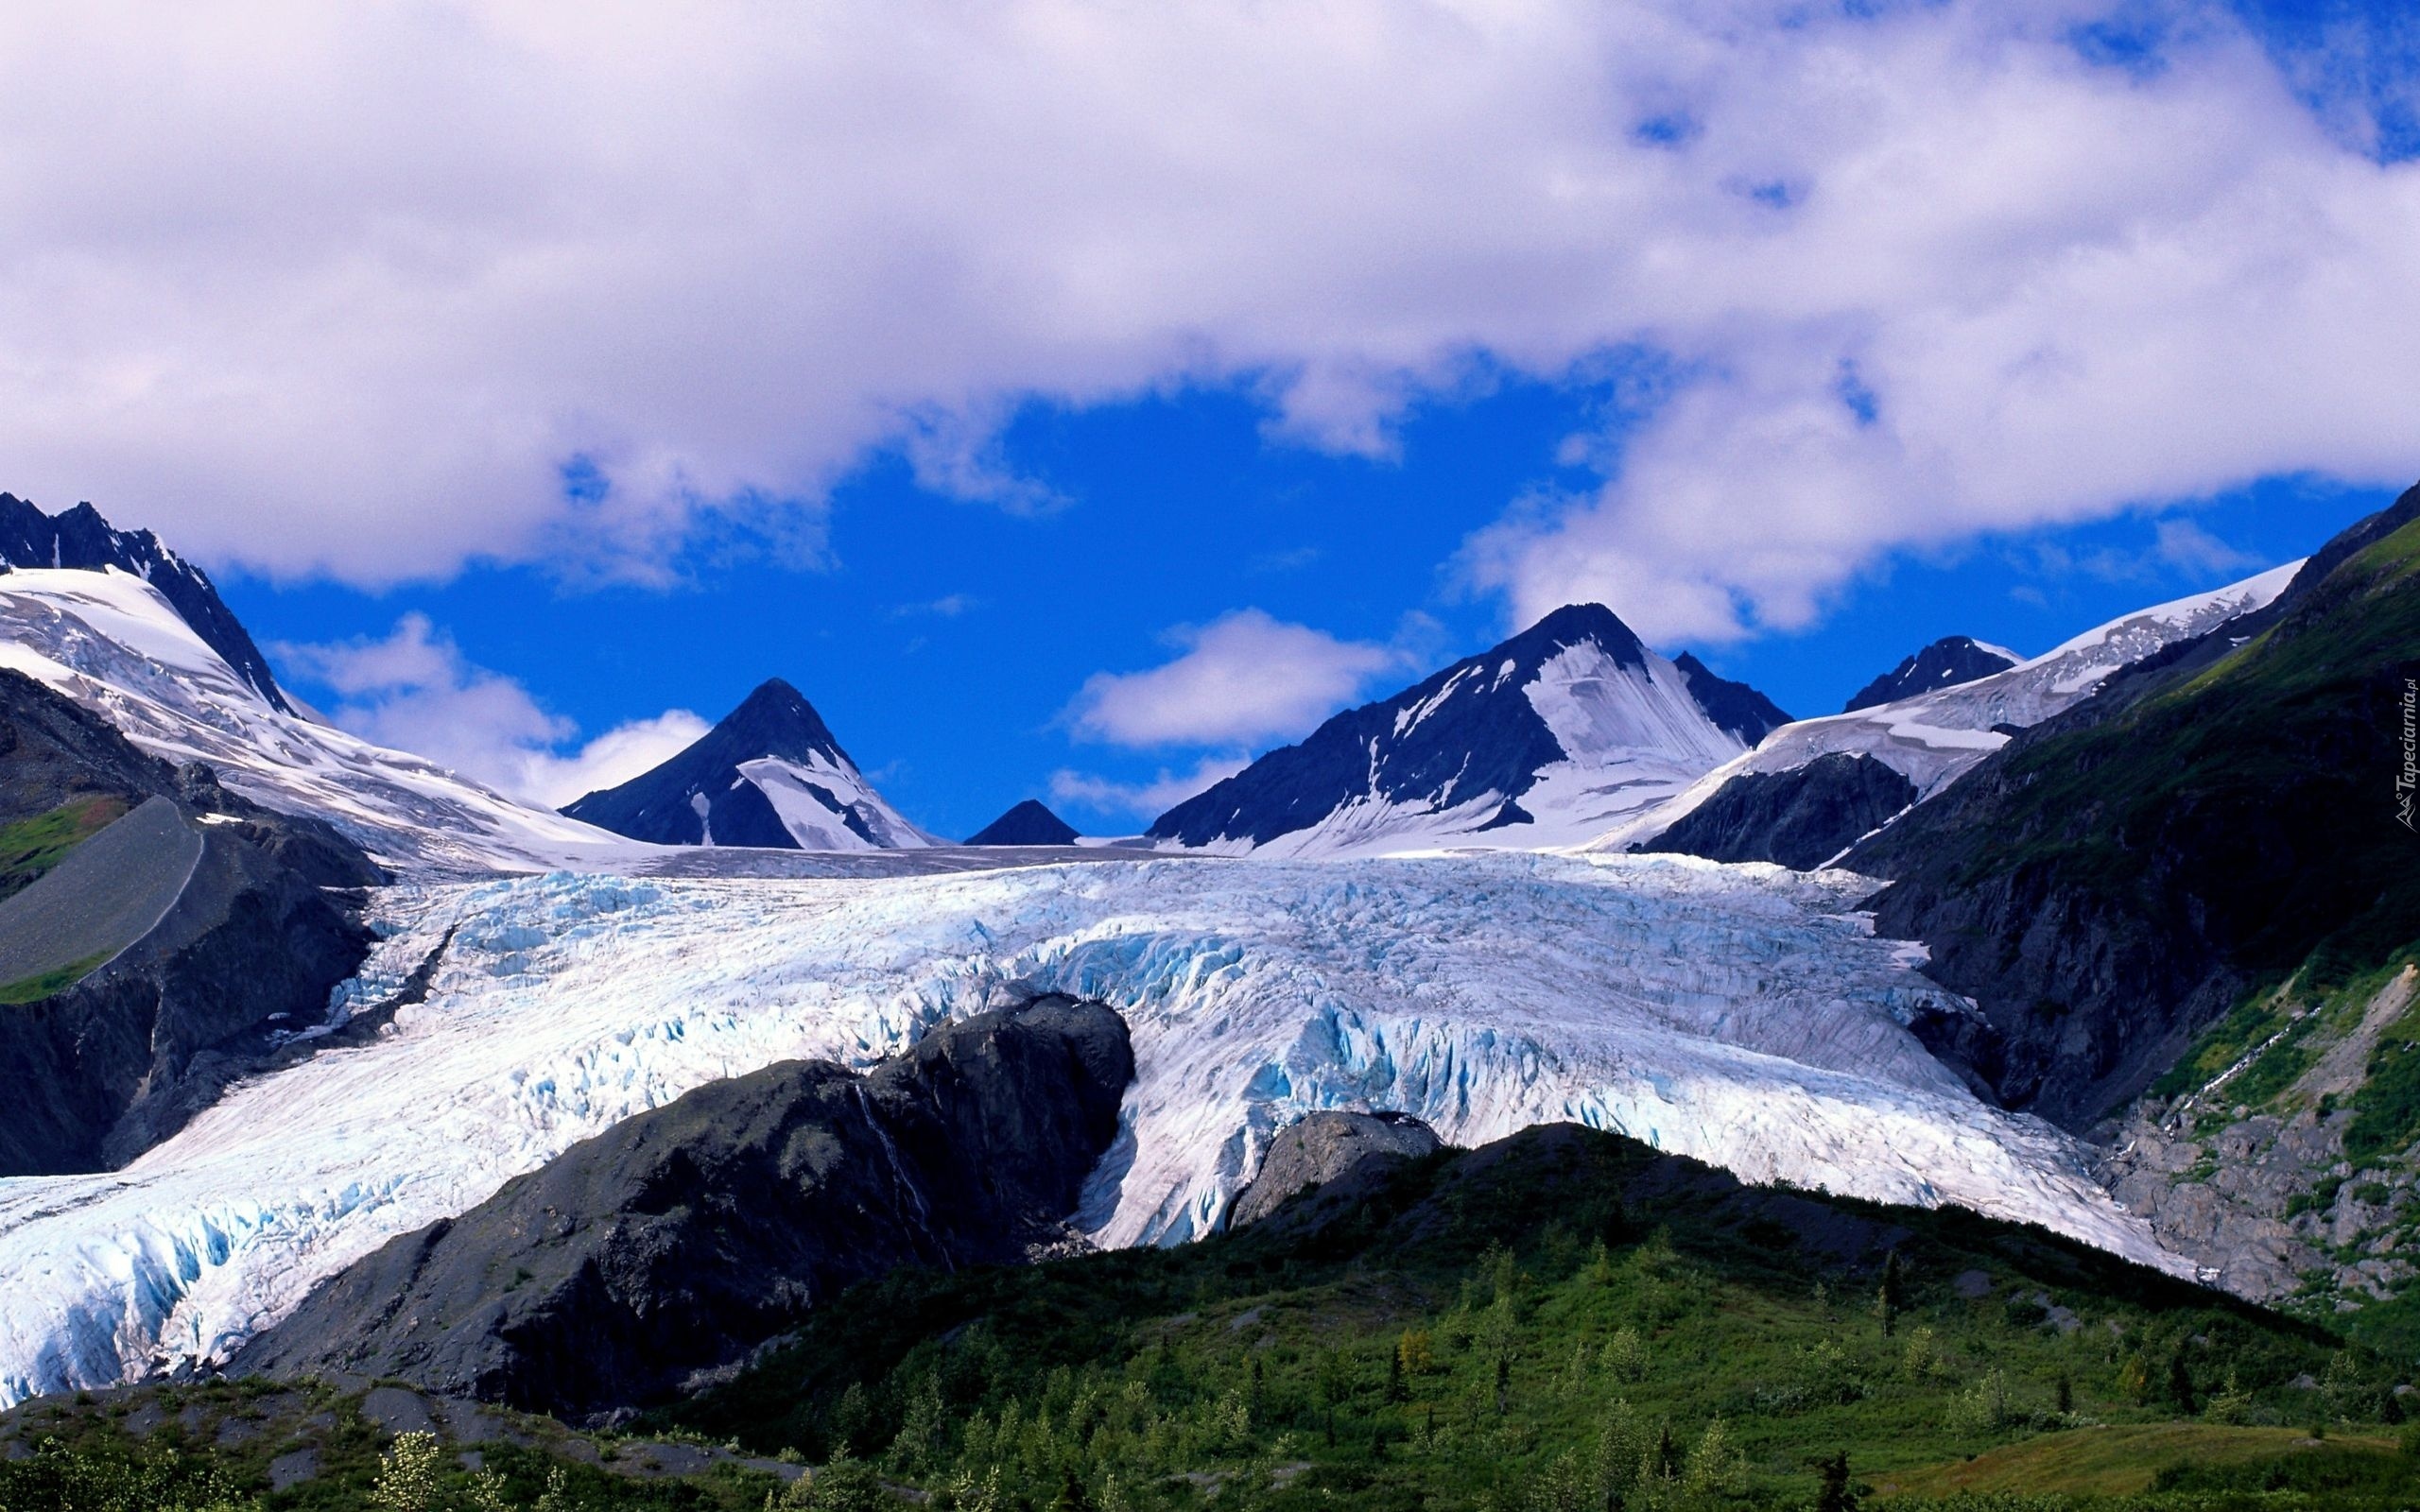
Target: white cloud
1141,800
415,691
1242,678
345,288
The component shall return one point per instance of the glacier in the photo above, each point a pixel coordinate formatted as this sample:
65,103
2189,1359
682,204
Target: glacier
1742,1014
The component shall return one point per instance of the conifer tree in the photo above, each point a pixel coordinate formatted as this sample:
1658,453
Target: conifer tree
1893,1294
2180,1383
1833,1492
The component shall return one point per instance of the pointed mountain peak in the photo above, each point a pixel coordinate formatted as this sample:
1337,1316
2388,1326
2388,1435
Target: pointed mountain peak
768,774
1577,624
1944,664
1028,823
774,720
81,540
1542,739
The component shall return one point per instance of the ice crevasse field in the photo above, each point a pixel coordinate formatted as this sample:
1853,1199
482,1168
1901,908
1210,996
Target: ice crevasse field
1742,1014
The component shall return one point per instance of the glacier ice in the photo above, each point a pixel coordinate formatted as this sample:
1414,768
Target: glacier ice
1742,1014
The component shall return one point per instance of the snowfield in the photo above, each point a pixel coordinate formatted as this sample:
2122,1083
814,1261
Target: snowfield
1740,1014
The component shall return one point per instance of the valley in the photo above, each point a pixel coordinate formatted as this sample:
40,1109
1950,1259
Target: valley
1962,1084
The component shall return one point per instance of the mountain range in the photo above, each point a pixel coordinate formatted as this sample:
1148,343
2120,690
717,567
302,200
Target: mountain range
2065,940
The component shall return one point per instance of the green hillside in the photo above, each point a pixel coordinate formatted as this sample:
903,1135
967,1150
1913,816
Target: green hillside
1564,1320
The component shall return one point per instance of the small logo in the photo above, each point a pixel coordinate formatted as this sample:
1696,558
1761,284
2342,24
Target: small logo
2406,781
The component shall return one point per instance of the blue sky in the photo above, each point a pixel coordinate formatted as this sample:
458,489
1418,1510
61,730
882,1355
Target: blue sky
1074,397
946,642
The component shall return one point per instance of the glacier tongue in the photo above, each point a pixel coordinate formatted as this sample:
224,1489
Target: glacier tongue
1740,1014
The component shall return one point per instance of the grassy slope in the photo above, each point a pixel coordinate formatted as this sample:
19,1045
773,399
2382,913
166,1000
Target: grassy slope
2224,751
31,847
34,988
1227,1360
2119,1460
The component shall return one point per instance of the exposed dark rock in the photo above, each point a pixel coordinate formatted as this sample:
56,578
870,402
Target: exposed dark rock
1028,823
1945,663
80,538
1548,1167
1800,819
247,953
1324,1146
680,1240
1733,706
2216,817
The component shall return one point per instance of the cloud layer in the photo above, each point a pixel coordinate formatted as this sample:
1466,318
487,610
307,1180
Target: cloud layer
1242,679
415,691
1144,800
378,290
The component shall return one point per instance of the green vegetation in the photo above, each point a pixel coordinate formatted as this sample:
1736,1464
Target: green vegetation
2386,1119
1567,1321
59,979
2253,801
1567,1327
31,847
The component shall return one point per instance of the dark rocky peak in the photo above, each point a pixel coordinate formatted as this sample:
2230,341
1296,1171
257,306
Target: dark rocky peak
706,796
1736,707
81,538
1028,823
1468,730
774,720
1945,663
1572,625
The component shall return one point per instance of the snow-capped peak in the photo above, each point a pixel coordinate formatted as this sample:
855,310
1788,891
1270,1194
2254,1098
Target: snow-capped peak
80,539
769,774
1542,739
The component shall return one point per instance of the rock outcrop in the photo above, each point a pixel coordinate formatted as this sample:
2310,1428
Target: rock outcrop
1800,819
681,1239
1324,1146
260,929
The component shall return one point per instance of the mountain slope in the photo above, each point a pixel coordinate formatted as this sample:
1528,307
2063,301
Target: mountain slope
113,643
1944,664
81,540
1561,1319
768,774
1931,738
156,959
2220,817
1027,823
1544,739
1800,819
